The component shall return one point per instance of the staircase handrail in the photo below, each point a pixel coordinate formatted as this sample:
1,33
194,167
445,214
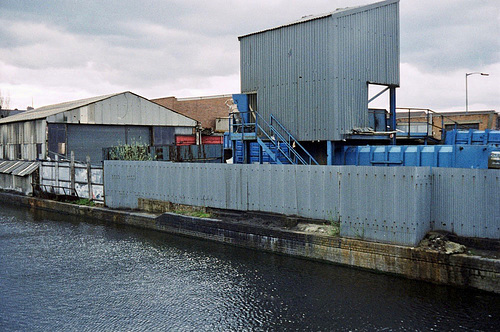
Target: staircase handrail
290,137
275,141
273,135
242,124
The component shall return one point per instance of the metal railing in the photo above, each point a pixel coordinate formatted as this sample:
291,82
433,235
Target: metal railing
292,142
276,139
428,121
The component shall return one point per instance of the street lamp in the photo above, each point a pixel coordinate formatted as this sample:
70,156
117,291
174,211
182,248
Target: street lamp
466,89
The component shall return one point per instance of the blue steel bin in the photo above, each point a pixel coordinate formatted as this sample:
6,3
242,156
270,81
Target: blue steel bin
473,137
459,156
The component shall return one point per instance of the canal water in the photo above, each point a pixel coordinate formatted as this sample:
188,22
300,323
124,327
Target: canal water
61,273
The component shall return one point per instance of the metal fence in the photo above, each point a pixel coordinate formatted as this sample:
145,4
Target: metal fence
206,153
387,204
382,204
65,178
466,202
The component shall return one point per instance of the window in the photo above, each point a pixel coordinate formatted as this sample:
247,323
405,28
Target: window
57,139
163,136
39,151
461,126
17,151
415,127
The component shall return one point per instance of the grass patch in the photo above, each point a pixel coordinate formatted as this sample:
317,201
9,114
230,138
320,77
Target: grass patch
83,201
334,229
198,214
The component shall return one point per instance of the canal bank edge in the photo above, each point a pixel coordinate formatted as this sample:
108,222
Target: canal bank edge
414,263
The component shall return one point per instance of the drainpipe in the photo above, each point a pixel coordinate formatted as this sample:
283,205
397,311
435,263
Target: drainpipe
198,133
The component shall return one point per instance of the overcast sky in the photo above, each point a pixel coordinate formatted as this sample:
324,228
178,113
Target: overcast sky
55,51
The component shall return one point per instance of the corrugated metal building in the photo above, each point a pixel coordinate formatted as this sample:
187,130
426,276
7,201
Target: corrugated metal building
86,126
313,74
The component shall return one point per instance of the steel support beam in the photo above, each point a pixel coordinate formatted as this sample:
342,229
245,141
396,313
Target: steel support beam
330,152
392,106
377,95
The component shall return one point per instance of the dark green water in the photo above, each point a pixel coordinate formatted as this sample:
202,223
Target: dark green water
60,273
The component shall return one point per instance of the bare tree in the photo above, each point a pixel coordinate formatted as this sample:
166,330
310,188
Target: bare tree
4,103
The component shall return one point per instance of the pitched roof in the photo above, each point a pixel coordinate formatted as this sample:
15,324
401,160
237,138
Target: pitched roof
46,111
338,12
18,167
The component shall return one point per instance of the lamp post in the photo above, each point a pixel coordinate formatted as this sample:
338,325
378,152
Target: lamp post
467,91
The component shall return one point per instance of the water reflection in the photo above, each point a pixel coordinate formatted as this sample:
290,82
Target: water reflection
65,273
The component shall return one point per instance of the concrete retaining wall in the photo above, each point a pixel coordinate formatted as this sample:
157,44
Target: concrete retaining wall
459,270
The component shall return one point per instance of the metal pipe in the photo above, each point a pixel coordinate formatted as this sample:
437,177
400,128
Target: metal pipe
409,120
377,95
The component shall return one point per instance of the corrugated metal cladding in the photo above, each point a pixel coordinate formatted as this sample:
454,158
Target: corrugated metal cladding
16,175
27,138
381,204
386,204
313,75
467,202
18,168
120,109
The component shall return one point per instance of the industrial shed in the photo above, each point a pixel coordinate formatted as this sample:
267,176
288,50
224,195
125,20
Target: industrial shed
313,75
88,125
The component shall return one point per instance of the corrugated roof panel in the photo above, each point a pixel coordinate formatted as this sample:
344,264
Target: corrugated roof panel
18,167
8,166
26,168
119,108
2,165
46,111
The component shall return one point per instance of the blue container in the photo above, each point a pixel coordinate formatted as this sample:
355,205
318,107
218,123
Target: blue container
255,150
238,152
227,141
241,101
458,156
473,137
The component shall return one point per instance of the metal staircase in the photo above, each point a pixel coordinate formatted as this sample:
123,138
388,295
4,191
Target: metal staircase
261,131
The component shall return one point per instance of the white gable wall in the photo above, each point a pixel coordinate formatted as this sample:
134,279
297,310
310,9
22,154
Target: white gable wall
125,108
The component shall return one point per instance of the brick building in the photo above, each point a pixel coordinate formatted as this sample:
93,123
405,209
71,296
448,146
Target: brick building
211,111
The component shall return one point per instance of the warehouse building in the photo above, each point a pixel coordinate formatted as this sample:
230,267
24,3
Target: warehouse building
88,125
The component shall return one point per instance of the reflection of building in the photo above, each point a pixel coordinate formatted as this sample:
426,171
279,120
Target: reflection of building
88,125
211,111
427,121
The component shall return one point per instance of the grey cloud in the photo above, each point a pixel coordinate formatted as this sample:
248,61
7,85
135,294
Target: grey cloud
183,44
447,35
